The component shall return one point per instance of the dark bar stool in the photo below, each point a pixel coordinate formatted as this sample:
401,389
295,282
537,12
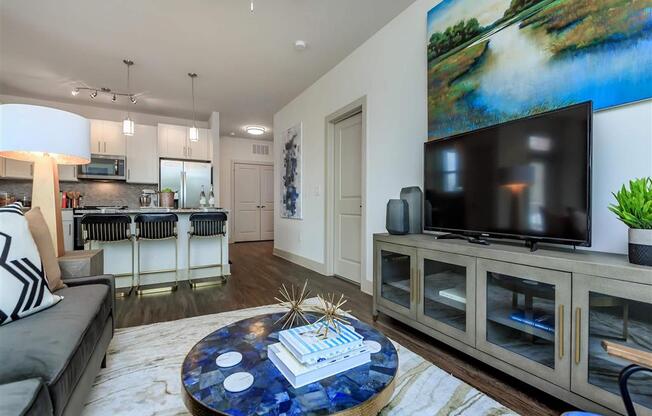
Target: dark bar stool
207,225
109,228
156,227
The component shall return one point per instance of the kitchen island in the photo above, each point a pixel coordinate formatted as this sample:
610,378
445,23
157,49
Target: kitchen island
159,254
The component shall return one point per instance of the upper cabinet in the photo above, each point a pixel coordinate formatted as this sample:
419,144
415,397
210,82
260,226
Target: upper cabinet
67,173
17,169
107,138
173,143
142,155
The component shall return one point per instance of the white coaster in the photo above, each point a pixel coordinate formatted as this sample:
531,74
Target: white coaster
373,346
228,359
237,382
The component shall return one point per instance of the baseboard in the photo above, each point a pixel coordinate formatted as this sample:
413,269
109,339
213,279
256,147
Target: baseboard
301,261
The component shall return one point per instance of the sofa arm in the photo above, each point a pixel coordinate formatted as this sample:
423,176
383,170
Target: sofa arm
105,279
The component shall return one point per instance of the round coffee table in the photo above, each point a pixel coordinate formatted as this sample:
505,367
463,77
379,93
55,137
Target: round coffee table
363,390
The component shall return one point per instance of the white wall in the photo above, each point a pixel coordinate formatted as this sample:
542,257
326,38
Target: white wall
390,70
236,149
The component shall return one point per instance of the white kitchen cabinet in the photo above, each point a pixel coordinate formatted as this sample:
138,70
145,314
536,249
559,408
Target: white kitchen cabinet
17,169
142,156
67,173
199,150
107,138
173,143
68,230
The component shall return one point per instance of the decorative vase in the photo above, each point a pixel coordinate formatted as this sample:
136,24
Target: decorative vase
640,246
166,199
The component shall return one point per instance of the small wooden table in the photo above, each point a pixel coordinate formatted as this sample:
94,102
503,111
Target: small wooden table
361,391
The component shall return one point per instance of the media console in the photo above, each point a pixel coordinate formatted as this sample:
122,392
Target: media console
539,317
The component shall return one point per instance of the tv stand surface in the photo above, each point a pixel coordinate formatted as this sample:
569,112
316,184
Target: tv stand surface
573,274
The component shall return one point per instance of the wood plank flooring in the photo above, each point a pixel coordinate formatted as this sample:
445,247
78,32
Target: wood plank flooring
256,277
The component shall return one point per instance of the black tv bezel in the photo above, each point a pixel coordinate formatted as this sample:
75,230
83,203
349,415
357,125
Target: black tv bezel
526,237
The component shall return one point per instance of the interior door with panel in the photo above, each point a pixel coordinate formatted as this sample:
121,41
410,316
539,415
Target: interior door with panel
395,278
523,318
446,294
347,233
266,202
620,312
246,193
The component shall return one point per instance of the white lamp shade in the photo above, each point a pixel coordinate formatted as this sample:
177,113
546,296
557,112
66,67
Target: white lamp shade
29,131
193,134
128,127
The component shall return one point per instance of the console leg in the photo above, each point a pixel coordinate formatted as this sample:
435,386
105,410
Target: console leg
103,365
374,316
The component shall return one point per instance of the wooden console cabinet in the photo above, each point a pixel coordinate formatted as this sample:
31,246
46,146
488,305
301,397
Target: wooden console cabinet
539,317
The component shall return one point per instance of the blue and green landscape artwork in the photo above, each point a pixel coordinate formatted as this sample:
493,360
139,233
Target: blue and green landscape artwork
491,61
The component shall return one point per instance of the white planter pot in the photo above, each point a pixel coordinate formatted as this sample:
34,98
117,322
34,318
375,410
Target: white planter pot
640,246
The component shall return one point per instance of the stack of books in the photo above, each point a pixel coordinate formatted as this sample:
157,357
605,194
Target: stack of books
305,356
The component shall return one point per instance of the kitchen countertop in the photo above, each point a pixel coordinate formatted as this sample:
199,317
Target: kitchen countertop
151,210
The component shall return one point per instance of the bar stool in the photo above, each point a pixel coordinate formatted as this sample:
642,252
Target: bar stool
109,228
207,225
156,227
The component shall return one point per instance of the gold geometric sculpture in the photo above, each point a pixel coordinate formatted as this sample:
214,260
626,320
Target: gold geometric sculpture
294,302
331,314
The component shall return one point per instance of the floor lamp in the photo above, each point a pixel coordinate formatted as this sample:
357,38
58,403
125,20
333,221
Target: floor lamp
47,137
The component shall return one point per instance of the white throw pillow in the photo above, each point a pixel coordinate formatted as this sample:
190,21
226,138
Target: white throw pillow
23,284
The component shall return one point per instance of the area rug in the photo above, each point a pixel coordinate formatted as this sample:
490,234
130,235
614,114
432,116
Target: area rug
143,374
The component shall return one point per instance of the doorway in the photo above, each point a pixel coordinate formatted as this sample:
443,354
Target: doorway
253,201
347,207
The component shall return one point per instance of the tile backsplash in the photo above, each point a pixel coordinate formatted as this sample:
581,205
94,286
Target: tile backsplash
93,192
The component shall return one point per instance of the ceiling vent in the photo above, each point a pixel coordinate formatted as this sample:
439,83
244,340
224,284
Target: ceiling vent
261,149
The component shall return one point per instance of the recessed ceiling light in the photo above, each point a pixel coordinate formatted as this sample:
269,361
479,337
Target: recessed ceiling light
300,45
255,130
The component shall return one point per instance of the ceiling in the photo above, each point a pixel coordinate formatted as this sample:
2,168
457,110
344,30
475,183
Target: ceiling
247,65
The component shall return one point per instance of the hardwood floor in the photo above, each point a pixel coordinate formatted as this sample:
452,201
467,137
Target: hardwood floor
256,277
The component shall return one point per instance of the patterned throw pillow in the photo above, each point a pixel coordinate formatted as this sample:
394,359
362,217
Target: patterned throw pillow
23,285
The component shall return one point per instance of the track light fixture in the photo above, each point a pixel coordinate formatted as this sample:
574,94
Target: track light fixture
75,92
114,98
107,91
94,94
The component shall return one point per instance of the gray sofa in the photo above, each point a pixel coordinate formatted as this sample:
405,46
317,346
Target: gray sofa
49,360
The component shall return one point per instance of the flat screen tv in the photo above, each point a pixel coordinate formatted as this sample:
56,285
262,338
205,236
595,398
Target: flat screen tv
527,179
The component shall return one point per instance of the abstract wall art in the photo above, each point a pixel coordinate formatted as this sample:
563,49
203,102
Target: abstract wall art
491,61
291,180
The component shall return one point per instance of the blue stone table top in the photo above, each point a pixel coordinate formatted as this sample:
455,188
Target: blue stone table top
271,393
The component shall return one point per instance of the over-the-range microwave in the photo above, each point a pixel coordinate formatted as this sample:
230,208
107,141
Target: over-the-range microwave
103,167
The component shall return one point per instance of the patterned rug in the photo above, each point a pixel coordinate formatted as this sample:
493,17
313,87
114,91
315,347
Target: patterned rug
143,374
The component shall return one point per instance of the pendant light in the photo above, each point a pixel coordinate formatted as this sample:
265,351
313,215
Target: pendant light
193,132
128,123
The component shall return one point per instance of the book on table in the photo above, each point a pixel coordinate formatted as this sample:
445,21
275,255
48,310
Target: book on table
309,345
300,374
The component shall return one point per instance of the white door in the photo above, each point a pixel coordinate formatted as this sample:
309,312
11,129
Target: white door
246,204
113,139
142,156
266,202
348,198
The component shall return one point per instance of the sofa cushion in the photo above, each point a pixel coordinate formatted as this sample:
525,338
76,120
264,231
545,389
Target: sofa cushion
25,398
23,285
41,234
56,345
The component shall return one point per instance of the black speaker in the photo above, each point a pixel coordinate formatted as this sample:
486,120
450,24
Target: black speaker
414,198
397,220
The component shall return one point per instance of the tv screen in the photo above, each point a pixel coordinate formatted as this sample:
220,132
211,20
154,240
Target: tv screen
526,179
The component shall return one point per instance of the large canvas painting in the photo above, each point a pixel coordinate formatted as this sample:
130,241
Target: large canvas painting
491,61
291,180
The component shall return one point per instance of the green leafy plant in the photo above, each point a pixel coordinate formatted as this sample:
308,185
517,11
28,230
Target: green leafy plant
634,205
167,190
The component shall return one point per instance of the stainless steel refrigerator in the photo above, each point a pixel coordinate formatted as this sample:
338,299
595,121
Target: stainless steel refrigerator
186,180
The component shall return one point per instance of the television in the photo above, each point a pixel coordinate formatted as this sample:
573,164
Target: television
527,179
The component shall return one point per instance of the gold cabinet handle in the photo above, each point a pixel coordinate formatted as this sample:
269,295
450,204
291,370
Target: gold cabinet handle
561,331
578,333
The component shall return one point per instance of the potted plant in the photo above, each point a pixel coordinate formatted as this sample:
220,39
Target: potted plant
166,198
634,208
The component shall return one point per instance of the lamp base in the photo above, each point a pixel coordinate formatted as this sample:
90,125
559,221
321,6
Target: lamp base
45,195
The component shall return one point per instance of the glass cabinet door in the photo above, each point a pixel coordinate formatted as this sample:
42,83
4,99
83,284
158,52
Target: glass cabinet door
446,294
523,319
395,278
620,312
